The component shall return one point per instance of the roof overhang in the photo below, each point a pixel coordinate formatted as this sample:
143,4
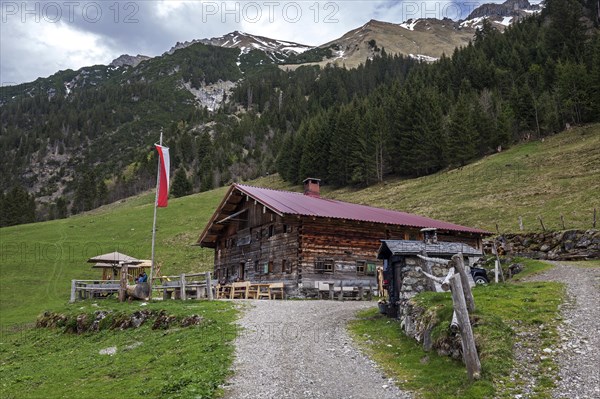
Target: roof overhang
225,213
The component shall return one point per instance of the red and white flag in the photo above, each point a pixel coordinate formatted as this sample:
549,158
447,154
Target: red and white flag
163,176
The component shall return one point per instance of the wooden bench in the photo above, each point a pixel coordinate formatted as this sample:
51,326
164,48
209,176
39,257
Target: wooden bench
277,290
240,289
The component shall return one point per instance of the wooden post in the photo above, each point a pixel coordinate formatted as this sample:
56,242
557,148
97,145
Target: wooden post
466,287
497,228
470,355
562,220
454,327
498,265
542,223
341,296
123,283
370,293
520,223
209,292
360,293
331,294
182,285
73,289
427,268
594,221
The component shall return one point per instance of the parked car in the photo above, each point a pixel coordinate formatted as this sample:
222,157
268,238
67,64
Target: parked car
479,275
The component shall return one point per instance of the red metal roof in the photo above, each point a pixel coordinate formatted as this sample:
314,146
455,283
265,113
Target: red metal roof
291,203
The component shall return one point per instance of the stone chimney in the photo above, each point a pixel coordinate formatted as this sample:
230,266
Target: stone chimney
312,187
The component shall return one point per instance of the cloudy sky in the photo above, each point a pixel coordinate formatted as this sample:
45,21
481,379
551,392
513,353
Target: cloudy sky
38,38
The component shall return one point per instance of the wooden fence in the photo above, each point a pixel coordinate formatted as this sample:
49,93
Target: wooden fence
187,286
183,286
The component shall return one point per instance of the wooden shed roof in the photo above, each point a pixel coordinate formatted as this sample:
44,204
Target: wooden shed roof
114,258
411,247
292,203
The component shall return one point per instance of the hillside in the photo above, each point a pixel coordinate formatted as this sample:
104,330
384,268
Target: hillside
39,260
557,175
80,139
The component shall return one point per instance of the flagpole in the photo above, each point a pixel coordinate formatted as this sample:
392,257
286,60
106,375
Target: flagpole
154,223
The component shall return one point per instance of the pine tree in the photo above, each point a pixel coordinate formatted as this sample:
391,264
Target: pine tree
181,185
461,133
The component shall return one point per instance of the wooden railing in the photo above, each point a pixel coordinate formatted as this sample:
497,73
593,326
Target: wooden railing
184,286
84,289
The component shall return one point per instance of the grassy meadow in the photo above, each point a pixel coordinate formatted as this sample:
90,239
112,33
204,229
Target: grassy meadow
177,362
558,176
38,261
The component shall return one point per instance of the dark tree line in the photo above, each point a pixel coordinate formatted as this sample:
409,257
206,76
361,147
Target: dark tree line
528,82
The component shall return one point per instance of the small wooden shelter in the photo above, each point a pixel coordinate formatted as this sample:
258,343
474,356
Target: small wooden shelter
110,264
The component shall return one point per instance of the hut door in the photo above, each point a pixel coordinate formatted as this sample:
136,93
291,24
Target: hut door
398,266
241,271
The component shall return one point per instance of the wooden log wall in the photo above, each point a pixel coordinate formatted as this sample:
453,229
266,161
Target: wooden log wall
345,243
258,246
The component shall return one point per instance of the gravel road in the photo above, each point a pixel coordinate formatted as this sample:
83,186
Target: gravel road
300,349
579,353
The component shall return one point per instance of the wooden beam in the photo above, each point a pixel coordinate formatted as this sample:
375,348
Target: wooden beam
434,260
231,216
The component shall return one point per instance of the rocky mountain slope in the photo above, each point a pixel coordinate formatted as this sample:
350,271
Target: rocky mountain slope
277,50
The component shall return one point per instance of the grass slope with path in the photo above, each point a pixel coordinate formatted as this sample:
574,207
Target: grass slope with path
558,176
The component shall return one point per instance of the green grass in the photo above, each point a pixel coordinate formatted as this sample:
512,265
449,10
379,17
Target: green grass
190,362
531,267
499,309
38,260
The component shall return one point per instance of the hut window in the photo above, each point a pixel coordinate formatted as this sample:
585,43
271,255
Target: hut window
324,266
286,266
256,267
365,269
413,236
271,230
361,266
285,228
271,265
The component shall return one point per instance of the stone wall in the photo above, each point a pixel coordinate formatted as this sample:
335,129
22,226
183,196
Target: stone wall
556,245
417,322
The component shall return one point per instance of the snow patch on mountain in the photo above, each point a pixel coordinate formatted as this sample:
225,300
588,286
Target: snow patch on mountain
410,24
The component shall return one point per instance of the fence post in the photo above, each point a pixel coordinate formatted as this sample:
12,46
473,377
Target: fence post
341,296
520,223
123,283
73,289
209,292
470,355
466,287
183,295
